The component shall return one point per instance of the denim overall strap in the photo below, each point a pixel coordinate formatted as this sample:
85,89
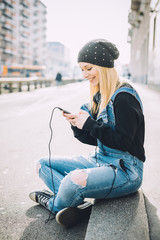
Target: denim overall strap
132,91
86,107
108,117
107,113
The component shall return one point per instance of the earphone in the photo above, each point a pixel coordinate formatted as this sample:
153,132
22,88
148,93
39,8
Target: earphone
49,157
114,168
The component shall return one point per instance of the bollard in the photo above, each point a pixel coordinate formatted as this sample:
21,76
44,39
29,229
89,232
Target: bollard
28,86
35,84
20,87
40,84
10,87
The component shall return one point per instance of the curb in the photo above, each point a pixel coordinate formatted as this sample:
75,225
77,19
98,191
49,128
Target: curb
123,218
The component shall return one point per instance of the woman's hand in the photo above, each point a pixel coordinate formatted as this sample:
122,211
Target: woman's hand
77,120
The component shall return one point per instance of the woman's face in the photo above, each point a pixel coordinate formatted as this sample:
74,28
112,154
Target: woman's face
90,72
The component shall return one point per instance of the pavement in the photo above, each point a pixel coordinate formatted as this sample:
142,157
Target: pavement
24,137
122,218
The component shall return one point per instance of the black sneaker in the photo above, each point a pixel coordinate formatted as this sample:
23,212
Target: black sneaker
42,197
69,216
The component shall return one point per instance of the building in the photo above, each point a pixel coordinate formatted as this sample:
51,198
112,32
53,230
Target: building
22,34
139,38
144,37
57,59
154,45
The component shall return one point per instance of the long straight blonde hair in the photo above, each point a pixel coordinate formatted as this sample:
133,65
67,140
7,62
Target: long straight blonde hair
108,83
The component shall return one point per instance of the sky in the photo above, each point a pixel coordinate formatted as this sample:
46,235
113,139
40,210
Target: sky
75,22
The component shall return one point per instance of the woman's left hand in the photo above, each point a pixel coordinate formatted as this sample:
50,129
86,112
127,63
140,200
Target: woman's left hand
77,120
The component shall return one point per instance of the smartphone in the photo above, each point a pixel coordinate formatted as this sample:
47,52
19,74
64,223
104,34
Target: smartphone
64,110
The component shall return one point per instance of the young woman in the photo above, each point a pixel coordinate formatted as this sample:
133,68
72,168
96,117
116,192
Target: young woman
114,123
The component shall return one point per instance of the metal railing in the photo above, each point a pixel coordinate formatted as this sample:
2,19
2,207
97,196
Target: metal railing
12,83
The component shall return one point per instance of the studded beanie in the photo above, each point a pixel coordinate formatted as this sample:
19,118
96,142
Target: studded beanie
99,52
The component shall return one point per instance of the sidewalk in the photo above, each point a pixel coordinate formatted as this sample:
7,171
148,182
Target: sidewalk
151,189
136,217
24,139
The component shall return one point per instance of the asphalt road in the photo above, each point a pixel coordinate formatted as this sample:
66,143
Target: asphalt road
24,137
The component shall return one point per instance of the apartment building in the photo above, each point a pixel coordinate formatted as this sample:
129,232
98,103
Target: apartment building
144,37
139,38
57,59
154,45
22,34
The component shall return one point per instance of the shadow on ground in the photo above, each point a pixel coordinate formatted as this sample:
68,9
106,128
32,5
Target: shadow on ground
38,229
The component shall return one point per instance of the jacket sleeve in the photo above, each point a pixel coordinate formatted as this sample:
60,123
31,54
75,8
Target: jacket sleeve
84,136
127,115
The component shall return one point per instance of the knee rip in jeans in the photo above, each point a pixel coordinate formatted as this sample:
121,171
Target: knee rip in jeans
79,177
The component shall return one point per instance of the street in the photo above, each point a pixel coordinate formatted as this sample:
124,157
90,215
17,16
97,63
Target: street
24,137
25,133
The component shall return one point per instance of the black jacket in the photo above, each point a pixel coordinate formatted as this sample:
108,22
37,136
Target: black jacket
129,128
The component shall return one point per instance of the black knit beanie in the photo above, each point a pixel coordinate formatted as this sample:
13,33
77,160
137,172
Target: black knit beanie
99,52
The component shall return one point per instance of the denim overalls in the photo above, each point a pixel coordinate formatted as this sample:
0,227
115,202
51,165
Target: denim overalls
109,173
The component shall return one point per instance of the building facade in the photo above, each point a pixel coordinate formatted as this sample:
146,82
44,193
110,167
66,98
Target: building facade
154,45
144,37
22,33
57,59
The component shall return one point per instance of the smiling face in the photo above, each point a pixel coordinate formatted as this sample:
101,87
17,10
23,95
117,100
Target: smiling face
90,72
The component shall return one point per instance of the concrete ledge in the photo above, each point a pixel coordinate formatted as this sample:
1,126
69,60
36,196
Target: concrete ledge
119,219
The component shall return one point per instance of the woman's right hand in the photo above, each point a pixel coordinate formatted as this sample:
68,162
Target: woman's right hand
77,120
69,117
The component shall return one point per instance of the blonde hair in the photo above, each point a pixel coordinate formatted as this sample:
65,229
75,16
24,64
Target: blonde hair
108,84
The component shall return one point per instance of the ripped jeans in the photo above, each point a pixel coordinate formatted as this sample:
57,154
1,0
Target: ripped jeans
79,177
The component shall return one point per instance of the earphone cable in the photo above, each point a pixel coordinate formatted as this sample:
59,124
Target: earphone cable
49,159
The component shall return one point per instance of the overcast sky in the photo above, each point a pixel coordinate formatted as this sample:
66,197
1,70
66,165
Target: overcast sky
75,22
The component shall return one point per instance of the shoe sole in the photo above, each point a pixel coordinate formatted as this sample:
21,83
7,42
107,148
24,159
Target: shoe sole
68,217
84,205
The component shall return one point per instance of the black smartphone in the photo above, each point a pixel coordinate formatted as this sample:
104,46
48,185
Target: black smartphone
64,110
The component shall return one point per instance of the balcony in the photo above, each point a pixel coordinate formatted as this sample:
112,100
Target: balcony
25,23
25,13
8,2
13,2
7,38
7,20
8,12
6,32
25,3
8,51
36,13
24,34
8,26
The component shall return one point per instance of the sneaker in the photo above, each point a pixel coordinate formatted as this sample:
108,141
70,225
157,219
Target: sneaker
42,197
69,216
